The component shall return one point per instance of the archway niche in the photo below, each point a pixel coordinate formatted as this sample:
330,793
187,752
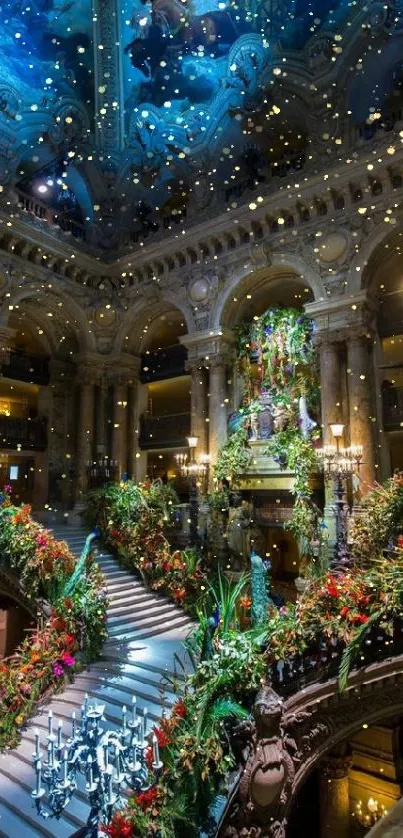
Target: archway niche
264,288
383,279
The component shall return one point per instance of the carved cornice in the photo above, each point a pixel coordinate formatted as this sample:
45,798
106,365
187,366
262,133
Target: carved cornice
213,348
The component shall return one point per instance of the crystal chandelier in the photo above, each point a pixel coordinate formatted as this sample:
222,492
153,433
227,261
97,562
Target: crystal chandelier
110,760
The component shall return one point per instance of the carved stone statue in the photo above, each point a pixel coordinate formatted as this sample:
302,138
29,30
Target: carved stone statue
281,418
269,771
238,535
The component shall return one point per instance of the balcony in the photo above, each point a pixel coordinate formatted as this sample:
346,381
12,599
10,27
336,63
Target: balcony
392,408
23,367
23,434
164,431
163,364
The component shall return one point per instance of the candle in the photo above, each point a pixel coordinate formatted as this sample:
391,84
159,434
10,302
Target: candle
73,724
65,767
124,712
36,754
134,701
106,756
86,699
50,755
90,778
50,721
59,733
38,776
156,751
110,796
145,711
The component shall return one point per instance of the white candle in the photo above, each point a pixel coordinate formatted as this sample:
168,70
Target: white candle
59,733
38,776
90,770
124,712
110,785
50,755
36,742
145,711
86,699
156,750
73,724
134,701
106,756
50,722
65,766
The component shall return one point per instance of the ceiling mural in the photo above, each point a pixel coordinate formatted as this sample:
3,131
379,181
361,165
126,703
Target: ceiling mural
46,49
127,118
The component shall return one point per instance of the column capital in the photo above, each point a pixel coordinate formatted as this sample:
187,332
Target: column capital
335,319
336,767
89,368
217,346
124,369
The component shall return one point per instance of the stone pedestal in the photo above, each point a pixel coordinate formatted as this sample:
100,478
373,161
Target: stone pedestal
361,406
334,797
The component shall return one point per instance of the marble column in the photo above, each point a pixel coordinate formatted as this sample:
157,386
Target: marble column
217,408
61,382
334,797
136,459
331,371
100,418
119,429
199,408
85,433
361,405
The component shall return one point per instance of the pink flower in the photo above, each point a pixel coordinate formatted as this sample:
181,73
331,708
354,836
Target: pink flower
7,489
58,670
68,659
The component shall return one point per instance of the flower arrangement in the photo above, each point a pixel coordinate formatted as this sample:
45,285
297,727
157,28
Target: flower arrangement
379,521
74,630
131,519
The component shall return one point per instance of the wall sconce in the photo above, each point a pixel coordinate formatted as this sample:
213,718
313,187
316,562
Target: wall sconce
369,813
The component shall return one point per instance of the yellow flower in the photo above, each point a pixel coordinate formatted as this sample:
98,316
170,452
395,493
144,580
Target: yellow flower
19,720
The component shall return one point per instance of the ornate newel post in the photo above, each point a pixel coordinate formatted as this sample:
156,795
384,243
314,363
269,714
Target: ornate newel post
334,797
361,386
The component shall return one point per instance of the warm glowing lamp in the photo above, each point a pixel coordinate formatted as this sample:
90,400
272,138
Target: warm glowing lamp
192,441
337,430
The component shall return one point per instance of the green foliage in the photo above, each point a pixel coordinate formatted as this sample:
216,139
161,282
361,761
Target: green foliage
379,520
225,595
260,599
297,453
234,457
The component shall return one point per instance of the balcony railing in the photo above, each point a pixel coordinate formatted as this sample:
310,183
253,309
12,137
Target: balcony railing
164,363
23,367
392,404
164,431
23,434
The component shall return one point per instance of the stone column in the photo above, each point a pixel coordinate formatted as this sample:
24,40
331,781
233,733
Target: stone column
361,405
199,408
334,797
119,429
61,381
6,340
100,418
331,371
85,431
217,408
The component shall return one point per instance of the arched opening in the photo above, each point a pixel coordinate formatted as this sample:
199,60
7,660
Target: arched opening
352,786
274,286
164,391
15,620
383,277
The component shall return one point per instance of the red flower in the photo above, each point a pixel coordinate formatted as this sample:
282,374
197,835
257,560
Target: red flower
146,799
119,827
344,611
332,589
180,709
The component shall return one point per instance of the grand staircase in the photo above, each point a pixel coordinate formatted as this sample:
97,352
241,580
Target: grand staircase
139,658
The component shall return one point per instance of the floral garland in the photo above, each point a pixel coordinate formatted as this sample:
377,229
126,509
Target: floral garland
74,631
131,519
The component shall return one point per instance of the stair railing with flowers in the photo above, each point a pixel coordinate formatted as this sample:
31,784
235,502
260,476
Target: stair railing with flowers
72,624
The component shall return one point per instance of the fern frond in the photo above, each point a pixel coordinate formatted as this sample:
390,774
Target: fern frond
352,650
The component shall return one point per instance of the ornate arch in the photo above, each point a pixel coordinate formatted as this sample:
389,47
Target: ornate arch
278,264
78,323
142,313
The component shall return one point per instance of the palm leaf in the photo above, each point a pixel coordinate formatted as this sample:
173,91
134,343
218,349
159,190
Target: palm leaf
352,650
